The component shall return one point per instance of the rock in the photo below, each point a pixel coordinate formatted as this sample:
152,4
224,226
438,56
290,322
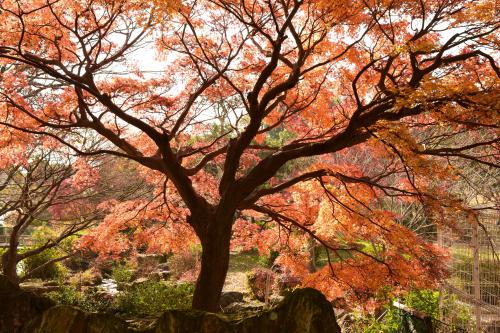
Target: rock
147,263
67,319
38,288
17,306
104,295
159,275
164,266
90,277
146,258
80,262
192,321
124,286
140,281
165,274
275,299
230,297
154,276
303,311
242,308
51,283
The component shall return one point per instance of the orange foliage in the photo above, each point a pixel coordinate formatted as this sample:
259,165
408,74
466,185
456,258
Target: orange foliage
271,121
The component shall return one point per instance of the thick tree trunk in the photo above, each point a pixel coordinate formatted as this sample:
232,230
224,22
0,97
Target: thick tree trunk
214,266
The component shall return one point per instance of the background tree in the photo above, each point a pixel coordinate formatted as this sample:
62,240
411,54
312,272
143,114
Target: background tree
44,188
334,74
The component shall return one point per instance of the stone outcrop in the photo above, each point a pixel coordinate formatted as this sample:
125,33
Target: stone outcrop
38,288
229,297
67,319
18,306
303,311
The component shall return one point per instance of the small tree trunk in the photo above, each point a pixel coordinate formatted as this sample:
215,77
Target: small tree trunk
311,244
10,257
9,266
214,266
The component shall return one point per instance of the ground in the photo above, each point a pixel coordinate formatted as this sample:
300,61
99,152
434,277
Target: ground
239,266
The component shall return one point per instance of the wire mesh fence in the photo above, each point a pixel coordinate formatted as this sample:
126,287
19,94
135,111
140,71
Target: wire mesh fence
441,327
475,271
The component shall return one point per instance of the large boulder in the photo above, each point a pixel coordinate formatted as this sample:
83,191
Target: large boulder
303,311
229,297
18,306
67,319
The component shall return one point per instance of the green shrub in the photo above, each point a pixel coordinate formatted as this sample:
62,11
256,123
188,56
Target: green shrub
122,273
455,314
154,297
66,295
268,261
147,298
50,272
90,300
424,301
81,261
2,251
97,300
56,270
88,277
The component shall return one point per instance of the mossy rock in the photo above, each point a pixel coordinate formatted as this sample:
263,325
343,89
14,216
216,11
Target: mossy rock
67,319
303,311
17,306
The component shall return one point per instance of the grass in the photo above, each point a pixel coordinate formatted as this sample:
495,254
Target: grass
463,252
244,262
239,265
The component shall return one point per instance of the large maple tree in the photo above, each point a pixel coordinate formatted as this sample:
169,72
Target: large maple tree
244,88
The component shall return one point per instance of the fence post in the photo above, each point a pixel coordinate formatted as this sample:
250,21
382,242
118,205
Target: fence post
475,276
440,242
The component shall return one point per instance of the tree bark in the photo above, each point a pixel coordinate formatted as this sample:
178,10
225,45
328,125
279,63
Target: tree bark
214,265
10,258
311,245
9,266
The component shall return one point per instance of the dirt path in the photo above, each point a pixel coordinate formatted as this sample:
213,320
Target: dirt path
236,281
239,266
